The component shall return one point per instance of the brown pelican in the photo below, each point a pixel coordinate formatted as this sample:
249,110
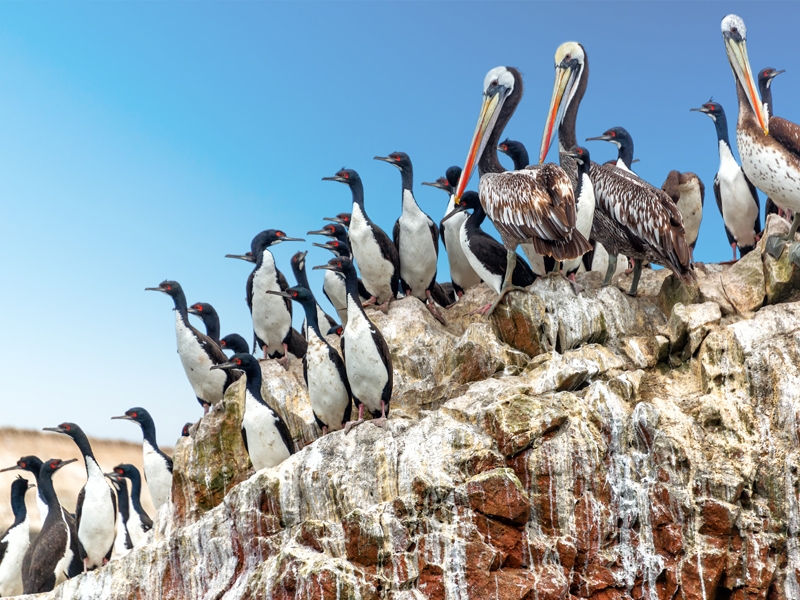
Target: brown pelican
535,205
631,216
769,149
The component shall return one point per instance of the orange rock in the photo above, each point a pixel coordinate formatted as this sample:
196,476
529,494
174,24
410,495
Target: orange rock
498,493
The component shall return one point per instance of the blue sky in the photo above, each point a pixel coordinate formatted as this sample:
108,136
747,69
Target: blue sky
141,141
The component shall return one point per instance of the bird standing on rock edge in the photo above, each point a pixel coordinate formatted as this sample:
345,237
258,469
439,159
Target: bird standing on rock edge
366,355
15,540
372,249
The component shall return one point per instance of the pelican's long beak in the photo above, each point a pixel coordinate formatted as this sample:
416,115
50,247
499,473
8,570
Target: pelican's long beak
490,110
737,56
555,114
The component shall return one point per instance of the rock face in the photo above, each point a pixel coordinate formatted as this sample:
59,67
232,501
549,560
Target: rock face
571,447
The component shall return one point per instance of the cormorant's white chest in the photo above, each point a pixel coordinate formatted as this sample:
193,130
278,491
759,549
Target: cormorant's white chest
335,290
135,527
207,384
585,204
365,370
264,442
376,271
96,530
739,209
769,170
461,271
326,390
416,247
17,540
271,318
157,474
493,280
42,506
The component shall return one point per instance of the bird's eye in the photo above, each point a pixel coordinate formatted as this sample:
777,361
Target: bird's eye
53,465
568,57
169,287
279,233
494,83
613,134
346,175
67,427
22,464
734,29
134,415
238,361
294,294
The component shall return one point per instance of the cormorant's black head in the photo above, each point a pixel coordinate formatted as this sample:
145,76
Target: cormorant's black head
334,230
441,184
765,77
348,176
32,464
137,414
127,470
54,464
203,309
711,108
580,154
399,160
268,238
336,330
168,287
20,486
340,264
339,248
341,218
70,429
300,294
235,342
615,135
185,431
469,199
299,260
453,175
241,361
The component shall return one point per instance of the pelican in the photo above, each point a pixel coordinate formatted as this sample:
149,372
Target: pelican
631,216
769,148
535,205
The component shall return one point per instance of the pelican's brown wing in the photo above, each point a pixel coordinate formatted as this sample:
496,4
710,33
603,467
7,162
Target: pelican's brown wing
535,204
786,133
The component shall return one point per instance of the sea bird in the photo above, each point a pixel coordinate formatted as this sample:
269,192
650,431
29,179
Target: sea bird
15,540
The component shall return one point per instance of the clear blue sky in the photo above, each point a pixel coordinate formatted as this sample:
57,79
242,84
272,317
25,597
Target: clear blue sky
141,141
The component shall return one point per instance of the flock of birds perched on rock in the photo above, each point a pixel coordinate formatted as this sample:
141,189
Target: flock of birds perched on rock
571,216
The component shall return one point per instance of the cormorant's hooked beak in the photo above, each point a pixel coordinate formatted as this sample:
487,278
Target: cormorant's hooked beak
335,178
64,463
600,138
288,239
156,289
490,110
275,293
9,468
126,417
55,430
320,232
113,476
246,257
566,77
226,366
387,159
736,49
702,109
458,208
440,183
31,485
335,219
326,267
326,246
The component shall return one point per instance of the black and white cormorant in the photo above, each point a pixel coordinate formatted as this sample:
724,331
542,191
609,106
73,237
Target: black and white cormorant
122,541
366,356
157,465
266,436
139,522
620,137
765,77
584,204
737,198
485,254
323,369
516,151
372,249
272,316
96,509
51,557
186,430
198,352
33,465
631,216
768,146
688,193
416,238
14,542
461,271
535,205
210,318
333,283
235,343
298,262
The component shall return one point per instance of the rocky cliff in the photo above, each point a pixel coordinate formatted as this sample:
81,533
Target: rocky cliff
593,446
